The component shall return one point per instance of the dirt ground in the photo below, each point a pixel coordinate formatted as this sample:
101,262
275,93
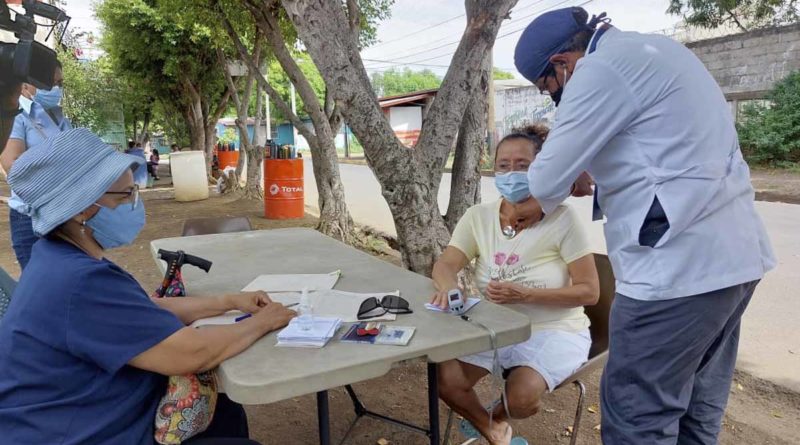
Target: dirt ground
758,412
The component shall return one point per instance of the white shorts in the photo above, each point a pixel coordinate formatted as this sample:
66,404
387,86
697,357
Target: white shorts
552,353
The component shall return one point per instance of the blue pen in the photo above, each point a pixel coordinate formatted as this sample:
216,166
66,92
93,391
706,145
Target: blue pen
245,316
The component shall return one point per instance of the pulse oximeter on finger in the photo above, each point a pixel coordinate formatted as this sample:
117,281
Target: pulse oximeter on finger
455,300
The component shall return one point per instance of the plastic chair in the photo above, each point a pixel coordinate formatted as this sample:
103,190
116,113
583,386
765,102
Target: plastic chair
598,352
7,286
209,226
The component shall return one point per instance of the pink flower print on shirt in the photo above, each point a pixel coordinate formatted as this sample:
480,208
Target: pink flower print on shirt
513,259
499,258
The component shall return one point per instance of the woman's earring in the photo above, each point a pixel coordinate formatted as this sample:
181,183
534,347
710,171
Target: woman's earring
83,227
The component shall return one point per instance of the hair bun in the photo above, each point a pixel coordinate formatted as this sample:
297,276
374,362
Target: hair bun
534,130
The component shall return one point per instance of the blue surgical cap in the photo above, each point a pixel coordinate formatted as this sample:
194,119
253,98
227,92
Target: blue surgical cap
547,35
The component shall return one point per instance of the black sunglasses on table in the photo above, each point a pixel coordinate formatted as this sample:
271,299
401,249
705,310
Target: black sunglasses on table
389,304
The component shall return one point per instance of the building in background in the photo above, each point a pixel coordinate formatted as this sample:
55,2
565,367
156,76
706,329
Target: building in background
518,103
405,113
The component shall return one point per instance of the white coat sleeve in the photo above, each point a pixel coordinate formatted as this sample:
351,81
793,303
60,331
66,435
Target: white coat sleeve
597,105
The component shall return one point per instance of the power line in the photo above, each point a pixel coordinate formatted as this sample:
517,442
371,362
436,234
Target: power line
416,62
439,24
417,32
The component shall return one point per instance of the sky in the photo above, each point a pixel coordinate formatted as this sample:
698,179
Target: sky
424,34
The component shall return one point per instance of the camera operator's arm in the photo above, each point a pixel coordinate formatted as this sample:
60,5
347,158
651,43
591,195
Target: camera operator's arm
9,106
13,149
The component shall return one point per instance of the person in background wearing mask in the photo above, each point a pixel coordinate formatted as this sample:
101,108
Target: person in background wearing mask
40,118
642,114
84,351
539,265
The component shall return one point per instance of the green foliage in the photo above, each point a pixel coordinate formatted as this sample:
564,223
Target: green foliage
746,14
91,92
159,54
498,74
280,81
770,133
230,135
394,82
372,12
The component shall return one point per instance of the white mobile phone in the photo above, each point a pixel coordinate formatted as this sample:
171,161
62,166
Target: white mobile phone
455,300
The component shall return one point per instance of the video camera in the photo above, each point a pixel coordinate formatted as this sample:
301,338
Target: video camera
28,60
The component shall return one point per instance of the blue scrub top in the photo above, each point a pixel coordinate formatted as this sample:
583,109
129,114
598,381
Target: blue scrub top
73,325
33,126
140,174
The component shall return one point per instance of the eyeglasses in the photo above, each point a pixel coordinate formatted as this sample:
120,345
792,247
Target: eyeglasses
132,194
389,304
541,83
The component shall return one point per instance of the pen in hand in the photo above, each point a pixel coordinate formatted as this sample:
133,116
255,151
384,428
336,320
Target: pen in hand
246,316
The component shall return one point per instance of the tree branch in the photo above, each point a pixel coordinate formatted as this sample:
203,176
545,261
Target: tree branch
285,109
268,23
337,58
354,18
735,20
440,127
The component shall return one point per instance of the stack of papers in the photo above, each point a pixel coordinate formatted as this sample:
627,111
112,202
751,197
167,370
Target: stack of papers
294,282
323,329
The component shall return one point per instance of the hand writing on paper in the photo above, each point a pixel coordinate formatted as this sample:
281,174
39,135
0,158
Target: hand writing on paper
273,317
248,302
503,292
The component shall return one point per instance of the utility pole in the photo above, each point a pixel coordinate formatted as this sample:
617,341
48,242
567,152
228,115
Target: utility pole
266,106
490,127
294,111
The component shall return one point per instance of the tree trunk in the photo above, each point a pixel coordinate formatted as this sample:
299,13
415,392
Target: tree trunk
144,135
409,178
255,155
334,218
465,184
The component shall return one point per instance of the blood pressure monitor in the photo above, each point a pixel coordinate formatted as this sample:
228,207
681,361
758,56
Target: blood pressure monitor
455,300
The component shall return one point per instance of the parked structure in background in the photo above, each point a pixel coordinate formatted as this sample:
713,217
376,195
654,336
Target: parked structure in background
747,65
405,113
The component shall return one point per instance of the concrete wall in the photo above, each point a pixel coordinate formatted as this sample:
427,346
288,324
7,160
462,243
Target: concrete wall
517,107
747,65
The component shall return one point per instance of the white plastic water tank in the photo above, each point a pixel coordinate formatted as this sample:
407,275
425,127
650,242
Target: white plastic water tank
189,175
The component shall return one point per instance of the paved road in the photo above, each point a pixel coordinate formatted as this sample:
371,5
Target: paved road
770,341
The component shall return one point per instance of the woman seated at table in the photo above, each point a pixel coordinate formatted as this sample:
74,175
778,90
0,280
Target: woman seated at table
84,352
539,265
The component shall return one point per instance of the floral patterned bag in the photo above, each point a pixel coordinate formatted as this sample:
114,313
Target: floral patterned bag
187,409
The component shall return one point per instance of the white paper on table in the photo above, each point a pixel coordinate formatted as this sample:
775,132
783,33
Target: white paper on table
335,303
293,282
467,306
219,320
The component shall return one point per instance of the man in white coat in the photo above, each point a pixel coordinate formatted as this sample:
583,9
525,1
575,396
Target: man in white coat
644,117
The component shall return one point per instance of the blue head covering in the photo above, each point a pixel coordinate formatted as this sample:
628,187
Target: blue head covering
547,35
65,175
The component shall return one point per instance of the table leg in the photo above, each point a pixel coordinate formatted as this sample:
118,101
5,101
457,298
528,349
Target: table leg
433,404
323,417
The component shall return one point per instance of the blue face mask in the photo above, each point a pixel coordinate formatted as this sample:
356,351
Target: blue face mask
117,227
48,99
513,186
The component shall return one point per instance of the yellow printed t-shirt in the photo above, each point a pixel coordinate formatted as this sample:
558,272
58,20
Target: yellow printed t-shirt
537,257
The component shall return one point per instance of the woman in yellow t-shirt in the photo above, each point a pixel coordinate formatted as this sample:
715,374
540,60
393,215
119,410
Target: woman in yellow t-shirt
540,265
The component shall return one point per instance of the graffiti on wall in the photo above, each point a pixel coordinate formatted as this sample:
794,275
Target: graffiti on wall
518,107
